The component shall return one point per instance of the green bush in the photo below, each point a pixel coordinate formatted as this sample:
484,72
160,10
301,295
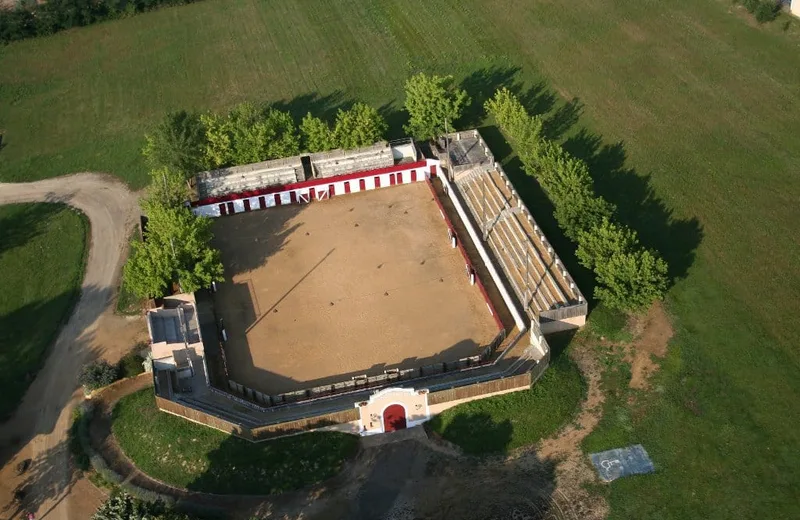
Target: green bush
97,375
130,365
763,10
766,11
79,456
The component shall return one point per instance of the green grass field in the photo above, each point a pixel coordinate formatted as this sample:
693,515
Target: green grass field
500,424
191,456
686,111
42,258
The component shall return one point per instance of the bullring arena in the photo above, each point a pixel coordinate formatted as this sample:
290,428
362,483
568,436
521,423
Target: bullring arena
319,293
365,291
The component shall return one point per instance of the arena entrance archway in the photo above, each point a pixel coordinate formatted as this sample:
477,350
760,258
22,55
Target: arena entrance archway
394,418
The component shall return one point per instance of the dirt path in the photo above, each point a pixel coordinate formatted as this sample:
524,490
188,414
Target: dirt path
38,430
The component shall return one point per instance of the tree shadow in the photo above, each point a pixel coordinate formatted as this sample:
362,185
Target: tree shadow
46,479
323,106
481,85
280,465
20,223
40,402
478,433
676,239
638,206
396,117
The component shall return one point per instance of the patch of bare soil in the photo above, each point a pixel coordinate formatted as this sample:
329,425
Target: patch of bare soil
651,338
573,469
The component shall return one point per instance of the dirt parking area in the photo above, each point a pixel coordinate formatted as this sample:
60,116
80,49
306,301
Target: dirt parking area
318,293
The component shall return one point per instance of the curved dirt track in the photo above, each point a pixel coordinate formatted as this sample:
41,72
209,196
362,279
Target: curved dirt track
38,430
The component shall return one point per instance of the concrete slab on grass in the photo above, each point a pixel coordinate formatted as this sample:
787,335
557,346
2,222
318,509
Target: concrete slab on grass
621,462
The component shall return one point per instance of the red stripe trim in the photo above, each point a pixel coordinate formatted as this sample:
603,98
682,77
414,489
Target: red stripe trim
307,184
478,281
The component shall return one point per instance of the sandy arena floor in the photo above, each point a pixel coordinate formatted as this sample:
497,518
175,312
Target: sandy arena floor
364,282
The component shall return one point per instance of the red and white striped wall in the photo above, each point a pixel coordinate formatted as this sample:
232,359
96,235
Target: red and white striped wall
316,189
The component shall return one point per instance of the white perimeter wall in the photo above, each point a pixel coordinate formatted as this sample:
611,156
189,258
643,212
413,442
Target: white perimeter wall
353,184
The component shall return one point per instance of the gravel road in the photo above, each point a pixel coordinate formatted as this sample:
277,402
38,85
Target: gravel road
38,430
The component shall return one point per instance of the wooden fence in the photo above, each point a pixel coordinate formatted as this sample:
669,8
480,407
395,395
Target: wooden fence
301,425
200,417
477,389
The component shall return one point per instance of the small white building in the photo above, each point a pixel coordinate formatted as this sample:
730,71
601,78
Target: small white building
177,347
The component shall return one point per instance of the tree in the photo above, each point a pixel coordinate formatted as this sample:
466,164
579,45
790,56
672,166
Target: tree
122,506
176,249
167,187
281,134
97,375
629,277
432,102
362,125
248,135
316,133
631,281
177,143
603,241
218,150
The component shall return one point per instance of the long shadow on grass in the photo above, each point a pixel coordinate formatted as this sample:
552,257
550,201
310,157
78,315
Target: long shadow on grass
674,237
290,463
27,383
20,224
638,206
323,106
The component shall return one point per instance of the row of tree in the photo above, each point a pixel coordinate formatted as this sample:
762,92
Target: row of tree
31,18
176,246
629,276
191,142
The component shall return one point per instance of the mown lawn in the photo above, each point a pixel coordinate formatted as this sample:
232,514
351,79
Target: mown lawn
195,457
502,423
689,112
42,259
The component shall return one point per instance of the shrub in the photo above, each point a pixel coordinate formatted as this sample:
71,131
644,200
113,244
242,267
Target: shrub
130,365
766,11
79,457
97,375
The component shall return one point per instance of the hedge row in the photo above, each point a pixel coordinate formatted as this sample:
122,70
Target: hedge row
32,19
629,276
249,133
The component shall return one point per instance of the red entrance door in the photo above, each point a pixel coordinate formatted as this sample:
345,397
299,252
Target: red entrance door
394,418
377,182
247,204
362,185
223,209
347,187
